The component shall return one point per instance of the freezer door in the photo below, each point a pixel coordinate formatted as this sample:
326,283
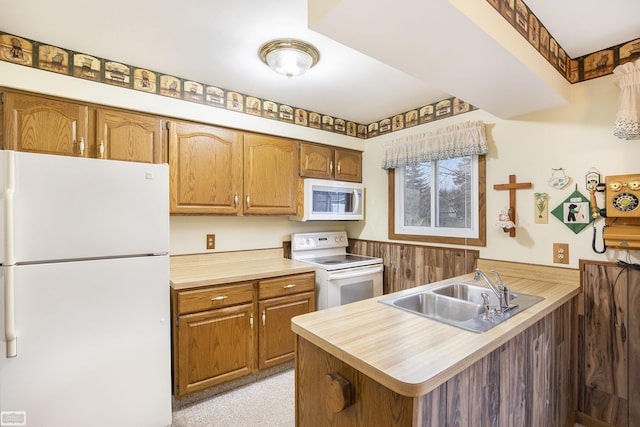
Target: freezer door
93,344
74,208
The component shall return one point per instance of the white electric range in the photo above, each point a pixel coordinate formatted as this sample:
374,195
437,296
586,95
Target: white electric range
341,277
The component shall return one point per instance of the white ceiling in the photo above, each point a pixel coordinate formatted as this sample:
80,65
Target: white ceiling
416,51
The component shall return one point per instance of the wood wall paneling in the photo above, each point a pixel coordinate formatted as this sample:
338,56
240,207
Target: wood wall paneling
608,346
634,347
407,265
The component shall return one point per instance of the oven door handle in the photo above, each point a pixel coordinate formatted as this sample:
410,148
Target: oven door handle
355,272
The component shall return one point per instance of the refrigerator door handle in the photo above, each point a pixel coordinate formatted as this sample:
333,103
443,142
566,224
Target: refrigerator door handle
9,314
9,190
9,306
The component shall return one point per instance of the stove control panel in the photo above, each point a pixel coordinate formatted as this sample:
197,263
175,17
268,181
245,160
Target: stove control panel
309,241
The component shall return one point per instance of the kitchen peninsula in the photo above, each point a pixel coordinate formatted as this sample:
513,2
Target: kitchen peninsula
367,364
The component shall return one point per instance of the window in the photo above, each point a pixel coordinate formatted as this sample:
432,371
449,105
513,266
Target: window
439,201
437,185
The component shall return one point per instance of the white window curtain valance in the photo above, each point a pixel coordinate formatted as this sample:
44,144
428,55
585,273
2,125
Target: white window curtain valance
627,77
459,140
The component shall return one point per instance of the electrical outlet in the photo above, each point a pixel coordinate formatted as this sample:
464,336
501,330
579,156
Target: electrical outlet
211,241
561,253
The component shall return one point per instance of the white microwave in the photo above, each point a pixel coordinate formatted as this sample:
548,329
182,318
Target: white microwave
326,200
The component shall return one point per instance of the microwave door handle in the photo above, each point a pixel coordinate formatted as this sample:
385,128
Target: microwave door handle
356,204
354,273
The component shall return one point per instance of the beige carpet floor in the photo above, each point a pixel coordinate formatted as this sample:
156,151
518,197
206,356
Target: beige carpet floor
265,403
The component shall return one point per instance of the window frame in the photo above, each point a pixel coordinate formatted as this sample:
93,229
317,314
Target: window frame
482,219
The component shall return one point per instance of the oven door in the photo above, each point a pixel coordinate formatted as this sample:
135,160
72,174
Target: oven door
348,285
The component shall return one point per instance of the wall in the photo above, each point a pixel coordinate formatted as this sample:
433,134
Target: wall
188,232
575,137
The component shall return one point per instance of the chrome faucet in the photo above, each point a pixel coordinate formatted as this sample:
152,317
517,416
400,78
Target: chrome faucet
501,290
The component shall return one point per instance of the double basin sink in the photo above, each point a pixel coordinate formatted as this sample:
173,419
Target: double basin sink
461,304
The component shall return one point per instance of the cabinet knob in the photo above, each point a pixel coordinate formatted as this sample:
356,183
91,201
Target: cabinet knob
101,149
248,202
264,317
220,298
289,286
235,200
331,167
337,391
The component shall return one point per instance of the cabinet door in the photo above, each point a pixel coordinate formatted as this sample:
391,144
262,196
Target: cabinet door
270,175
42,125
214,347
205,168
316,161
129,137
276,339
348,165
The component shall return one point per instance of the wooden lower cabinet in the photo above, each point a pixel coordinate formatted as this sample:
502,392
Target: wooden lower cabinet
527,381
223,332
214,346
277,340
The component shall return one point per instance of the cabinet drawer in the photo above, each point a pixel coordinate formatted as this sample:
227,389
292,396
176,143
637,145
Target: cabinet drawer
214,297
287,285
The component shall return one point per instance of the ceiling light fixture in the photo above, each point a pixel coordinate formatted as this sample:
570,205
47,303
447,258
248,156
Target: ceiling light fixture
289,57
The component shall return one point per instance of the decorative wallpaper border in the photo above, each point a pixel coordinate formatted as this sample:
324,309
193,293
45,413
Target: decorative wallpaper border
586,67
35,54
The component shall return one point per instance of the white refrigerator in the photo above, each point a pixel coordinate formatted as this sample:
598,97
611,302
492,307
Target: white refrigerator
85,302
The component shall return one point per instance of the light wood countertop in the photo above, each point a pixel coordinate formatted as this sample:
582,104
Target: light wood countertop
412,355
190,271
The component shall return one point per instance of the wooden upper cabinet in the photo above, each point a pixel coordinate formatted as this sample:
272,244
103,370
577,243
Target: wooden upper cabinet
44,125
325,162
348,165
316,161
270,175
128,136
205,168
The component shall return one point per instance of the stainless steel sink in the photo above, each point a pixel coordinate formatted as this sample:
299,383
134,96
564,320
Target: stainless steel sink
468,292
461,304
435,306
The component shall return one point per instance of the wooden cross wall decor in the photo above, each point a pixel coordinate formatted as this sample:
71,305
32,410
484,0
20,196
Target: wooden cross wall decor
512,186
